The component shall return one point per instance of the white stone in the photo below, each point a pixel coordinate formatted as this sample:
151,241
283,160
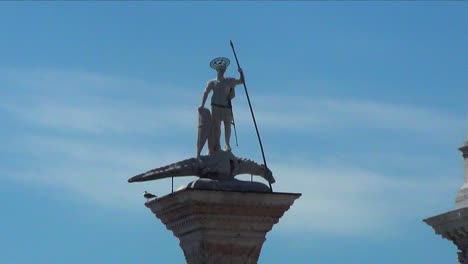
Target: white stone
462,196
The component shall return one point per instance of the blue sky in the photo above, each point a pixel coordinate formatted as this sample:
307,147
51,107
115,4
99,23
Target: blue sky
361,107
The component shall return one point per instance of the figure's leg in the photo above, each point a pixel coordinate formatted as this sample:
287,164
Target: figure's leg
227,129
227,135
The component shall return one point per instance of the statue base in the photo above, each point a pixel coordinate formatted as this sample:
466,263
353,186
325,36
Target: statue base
232,185
216,227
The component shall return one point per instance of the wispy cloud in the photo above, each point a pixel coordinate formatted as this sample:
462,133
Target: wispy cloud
354,201
323,114
107,117
93,171
97,103
85,160
337,198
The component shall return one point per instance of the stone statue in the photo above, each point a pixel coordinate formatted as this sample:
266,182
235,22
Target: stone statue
222,165
219,167
221,107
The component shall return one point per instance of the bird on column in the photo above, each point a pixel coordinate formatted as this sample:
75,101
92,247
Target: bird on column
148,195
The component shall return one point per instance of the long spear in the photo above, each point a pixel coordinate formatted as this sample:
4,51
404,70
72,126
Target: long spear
251,111
232,114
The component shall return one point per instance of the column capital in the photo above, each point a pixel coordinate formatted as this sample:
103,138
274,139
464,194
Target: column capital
215,226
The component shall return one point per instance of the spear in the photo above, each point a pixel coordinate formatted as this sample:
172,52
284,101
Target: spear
251,111
232,114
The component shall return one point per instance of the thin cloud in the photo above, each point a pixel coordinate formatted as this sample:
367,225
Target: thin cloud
337,198
87,102
92,170
348,200
354,201
323,114
110,117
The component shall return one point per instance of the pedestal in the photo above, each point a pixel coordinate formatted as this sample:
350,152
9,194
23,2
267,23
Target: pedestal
453,226
216,227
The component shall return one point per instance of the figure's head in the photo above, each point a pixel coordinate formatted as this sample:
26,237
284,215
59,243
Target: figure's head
220,64
221,70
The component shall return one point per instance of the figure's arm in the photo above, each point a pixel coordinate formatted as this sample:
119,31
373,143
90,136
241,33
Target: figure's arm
241,77
232,93
208,89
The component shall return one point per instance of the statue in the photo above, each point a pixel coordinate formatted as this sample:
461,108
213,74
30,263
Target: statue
218,169
222,165
221,108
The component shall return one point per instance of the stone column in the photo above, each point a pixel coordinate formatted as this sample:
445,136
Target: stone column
453,225
216,227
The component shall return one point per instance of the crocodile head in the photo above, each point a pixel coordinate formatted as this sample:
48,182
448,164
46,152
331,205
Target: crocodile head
246,166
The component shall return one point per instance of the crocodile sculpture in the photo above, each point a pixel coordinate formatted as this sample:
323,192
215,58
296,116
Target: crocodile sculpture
221,165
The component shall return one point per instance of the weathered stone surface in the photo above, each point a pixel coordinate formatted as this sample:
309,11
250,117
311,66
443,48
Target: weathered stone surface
453,226
216,227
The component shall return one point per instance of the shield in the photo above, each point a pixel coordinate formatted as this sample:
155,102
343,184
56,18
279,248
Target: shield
204,129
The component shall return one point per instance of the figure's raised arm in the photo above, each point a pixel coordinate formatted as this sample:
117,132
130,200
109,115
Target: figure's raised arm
241,77
208,89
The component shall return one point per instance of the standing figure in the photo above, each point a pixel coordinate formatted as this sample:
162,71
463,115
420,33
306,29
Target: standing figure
221,108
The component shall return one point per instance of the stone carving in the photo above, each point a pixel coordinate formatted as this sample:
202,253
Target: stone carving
221,107
221,165
218,165
221,227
